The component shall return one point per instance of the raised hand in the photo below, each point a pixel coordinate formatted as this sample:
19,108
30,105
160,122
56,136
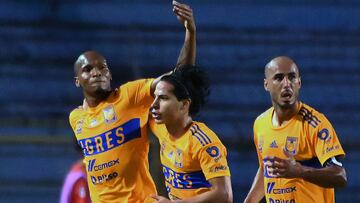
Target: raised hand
184,14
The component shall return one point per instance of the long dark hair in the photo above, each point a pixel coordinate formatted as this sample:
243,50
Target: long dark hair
190,82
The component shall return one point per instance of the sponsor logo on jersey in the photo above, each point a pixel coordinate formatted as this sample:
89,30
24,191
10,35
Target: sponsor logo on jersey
324,135
103,178
273,144
213,151
270,189
216,169
109,114
271,200
330,149
99,167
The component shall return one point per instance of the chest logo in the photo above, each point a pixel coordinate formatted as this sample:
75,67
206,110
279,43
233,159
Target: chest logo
109,114
291,145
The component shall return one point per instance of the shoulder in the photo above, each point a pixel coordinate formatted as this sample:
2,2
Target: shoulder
202,135
75,115
264,116
311,116
137,83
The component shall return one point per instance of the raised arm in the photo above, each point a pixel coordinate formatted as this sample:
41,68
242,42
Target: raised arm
187,54
184,14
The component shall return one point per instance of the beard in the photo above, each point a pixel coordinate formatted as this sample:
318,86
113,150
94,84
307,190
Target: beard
101,93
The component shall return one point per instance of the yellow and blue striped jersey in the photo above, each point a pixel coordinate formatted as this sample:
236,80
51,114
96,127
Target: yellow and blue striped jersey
190,161
310,138
113,136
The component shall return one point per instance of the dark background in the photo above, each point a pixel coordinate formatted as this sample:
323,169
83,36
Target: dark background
40,40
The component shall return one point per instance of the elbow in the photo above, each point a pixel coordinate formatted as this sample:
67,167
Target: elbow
342,179
227,197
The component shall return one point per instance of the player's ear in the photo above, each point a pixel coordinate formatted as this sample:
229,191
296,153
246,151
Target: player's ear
185,104
77,82
266,85
299,82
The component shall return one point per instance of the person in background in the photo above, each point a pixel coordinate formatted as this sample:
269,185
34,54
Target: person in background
298,150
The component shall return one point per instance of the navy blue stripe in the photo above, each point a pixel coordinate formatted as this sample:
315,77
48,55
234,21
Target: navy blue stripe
309,118
194,133
316,119
314,162
199,140
199,134
112,138
191,180
209,141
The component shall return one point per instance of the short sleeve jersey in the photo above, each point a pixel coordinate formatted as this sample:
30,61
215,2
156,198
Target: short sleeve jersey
190,161
311,139
113,137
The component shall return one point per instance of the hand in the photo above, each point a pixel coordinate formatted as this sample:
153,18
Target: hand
283,168
161,199
184,14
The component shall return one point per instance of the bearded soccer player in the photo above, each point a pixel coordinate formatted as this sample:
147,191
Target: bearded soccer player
298,150
110,126
192,156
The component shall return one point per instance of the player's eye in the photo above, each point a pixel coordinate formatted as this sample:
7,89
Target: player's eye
87,69
278,78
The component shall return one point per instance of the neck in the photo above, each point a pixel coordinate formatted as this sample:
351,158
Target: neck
283,115
93,101
179,128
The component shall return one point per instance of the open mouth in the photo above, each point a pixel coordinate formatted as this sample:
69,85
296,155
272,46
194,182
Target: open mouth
286,94
155,115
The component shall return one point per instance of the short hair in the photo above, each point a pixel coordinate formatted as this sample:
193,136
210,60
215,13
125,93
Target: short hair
190,82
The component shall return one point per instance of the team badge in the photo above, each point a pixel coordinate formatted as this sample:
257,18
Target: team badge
109,114
291,145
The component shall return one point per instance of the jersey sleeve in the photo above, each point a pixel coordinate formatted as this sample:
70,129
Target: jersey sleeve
213,160
138,91
326,142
